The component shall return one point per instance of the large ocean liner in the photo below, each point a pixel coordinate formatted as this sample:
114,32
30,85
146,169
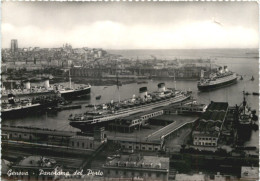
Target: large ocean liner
23,107
102,114
217,80
29,91
34,91
69,92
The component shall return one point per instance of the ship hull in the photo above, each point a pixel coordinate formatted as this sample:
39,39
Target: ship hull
75,93
27,111
87,126
244,132
204,88
30,95
22,112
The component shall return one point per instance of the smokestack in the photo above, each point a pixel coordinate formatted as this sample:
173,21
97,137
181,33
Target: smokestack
220,70
46,83
161,87
202,74
143,93
27,85
225,69
11,98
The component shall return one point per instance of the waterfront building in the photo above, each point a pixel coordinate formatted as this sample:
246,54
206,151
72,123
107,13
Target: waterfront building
193,177
135,121
208,129
136,167
190,109
14,46
141,144
203,177
45,138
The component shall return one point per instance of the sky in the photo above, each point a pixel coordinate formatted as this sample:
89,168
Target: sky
131,25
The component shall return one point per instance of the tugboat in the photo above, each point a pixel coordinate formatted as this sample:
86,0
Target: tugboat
101,115
98,97
247,119
217,80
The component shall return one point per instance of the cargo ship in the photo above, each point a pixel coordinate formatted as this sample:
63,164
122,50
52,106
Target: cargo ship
14,108
217,80
247,120
101,115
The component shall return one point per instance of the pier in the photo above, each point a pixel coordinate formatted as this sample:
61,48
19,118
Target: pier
169,130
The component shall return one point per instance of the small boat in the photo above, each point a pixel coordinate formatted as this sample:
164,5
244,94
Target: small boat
241,78
89,105
247,93
252,78
255,93
98,97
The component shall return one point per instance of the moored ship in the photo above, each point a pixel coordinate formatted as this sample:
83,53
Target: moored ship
29,91
217,80
35,91
102,114
69,93
247,119
20,108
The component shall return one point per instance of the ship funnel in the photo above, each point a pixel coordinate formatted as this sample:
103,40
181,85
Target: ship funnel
143,92
220,70
202,74
27,85
161,87
46,83
11,98
225,69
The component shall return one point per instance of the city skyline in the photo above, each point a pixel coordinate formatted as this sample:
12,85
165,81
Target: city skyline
150,25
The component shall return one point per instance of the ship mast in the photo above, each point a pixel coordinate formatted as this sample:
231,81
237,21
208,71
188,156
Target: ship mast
174,82
117,83
69,78
244,102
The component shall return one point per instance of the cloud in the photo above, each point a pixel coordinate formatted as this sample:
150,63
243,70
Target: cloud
114,35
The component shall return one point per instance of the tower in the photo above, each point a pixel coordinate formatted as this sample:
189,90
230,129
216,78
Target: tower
14,45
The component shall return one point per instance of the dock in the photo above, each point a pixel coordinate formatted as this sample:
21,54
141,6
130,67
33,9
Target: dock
179,121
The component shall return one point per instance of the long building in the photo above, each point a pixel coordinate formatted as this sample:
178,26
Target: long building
136,167
135,121
208,129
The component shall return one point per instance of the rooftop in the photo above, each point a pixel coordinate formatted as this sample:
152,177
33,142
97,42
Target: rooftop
186,177
217,106
139,114
37,161
211,121
138,161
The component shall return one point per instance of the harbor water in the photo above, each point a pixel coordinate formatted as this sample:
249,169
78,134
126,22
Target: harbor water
243,62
